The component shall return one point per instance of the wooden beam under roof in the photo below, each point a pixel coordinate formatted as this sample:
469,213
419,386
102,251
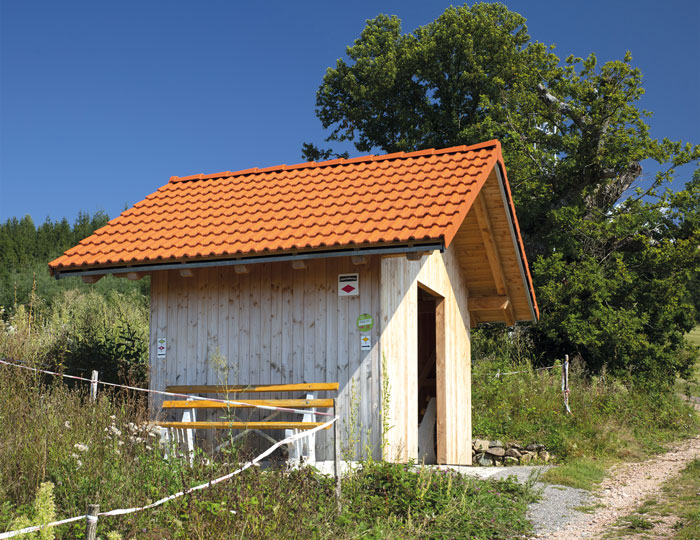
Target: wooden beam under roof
487,234
488,303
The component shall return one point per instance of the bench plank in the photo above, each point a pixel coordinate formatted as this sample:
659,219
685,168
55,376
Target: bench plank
249,403
240,425
241,388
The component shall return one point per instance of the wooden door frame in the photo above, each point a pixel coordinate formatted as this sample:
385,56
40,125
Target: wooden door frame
440,382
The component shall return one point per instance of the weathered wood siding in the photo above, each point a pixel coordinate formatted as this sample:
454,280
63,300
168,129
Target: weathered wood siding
273,325
441,274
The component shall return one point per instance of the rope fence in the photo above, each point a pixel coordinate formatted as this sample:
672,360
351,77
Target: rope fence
93,381
91,517
564,379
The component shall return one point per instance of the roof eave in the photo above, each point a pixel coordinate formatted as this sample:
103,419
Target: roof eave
344,251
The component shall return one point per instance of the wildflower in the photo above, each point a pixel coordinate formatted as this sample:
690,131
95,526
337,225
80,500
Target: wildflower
75,456
115,430
81,447
66,424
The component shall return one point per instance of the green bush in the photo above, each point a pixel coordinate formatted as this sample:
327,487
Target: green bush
81,331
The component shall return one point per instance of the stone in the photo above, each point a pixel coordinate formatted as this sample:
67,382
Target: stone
484,461
526,458
513,452
543,455
516,446
480,445
496,451
510,461
533,447
495,444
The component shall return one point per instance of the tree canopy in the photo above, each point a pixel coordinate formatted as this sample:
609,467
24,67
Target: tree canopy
615,253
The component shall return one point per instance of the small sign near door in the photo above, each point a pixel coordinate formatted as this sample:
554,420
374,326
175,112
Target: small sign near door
348,284
161,346
365,342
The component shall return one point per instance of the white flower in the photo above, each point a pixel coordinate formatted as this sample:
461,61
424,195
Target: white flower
75,456
67,424
78,463
81,447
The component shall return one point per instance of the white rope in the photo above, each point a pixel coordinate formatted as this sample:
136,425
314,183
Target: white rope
26,530
171,394
123,511
252,462
498,375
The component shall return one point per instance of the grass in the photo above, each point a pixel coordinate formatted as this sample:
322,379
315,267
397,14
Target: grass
581,473
694,336
691,387
84,452
613,419
678,501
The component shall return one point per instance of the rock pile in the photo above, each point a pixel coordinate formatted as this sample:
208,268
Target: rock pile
495,453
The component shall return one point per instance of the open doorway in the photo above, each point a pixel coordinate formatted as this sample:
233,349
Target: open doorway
429,367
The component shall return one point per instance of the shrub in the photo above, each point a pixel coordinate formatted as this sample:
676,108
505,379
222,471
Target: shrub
82,331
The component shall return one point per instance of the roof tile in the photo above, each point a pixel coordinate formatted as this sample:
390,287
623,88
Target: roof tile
366,200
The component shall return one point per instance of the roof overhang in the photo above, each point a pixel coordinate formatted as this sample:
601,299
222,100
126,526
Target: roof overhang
345,251
492,257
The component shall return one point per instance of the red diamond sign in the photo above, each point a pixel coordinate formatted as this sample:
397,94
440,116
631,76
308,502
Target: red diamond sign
348,284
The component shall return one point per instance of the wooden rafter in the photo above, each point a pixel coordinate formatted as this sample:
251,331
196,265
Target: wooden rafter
482,217
488,303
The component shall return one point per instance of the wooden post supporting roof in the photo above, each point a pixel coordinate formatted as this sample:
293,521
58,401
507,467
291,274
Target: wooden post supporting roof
482,216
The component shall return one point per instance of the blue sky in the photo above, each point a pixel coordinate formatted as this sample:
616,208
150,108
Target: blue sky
101,102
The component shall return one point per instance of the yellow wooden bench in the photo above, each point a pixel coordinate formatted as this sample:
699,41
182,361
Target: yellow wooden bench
277,406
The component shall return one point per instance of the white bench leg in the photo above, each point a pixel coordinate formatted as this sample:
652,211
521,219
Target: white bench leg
308,444
166,441
189,415
304,448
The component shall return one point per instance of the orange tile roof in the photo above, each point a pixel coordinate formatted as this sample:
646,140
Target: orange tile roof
342,203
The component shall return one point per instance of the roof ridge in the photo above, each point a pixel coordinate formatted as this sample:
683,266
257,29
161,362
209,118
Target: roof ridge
339,161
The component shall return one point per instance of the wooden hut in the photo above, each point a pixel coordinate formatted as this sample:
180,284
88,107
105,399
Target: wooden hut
367,271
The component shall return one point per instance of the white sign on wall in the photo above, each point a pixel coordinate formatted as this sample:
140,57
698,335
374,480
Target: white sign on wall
365,342
348,284
161,346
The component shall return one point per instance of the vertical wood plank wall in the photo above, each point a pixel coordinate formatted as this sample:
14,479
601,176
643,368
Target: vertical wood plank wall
273,325
441,273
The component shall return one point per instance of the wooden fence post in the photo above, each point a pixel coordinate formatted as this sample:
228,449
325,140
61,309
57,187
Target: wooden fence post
565,382
93,386
91,519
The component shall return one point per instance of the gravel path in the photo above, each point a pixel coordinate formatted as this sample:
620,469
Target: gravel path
628,485
556,508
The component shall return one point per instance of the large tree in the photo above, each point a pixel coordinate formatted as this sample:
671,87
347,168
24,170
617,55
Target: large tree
615,264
